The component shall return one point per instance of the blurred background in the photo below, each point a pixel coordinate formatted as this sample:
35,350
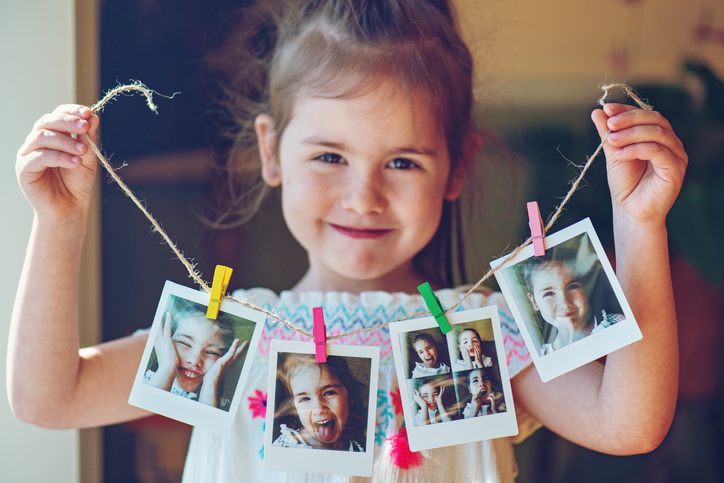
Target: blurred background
539,68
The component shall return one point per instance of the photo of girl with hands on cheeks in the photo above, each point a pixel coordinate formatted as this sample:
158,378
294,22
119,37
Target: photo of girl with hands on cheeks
193,356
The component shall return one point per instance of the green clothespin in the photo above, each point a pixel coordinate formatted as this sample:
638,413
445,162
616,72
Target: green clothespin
433,305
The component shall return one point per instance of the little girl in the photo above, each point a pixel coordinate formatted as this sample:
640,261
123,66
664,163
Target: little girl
192,353
430,364
326,408
362,113
557,293
471,352
483,399
429,393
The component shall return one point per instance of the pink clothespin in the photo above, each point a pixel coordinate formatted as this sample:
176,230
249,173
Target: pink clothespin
536,228
320,334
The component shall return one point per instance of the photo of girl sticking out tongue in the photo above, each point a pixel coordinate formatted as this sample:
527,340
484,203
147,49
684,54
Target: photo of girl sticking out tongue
320,406
192,353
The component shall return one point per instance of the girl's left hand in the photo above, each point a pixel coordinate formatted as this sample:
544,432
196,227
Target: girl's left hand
479,356
209,388
438,398
645,161
224,362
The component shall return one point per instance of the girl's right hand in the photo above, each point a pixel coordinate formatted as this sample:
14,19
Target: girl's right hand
56,171
467,359
165,349
418,399
166,355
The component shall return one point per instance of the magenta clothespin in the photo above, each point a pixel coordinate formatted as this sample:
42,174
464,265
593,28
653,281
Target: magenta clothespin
320,334
536,228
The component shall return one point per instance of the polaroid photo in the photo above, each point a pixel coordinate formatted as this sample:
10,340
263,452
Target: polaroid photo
194,368
323,415
455,388
568,303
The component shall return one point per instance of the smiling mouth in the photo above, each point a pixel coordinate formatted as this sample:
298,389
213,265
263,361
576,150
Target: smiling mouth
325,430
189,374
360,233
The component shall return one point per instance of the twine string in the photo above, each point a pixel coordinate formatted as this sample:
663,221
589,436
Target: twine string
196,276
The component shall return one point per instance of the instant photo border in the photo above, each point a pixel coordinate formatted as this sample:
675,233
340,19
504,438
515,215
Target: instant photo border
591,347
177,407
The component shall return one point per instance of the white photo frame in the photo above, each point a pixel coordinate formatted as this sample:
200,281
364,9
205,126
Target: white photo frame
197,342
494,418
286,447
576,263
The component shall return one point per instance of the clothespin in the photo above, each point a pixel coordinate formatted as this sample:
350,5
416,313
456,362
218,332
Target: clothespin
536,228
222,275
320,334
433,305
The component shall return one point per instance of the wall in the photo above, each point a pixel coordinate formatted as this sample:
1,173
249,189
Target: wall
37,42
558,52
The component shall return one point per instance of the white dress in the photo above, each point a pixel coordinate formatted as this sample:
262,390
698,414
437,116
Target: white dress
238,457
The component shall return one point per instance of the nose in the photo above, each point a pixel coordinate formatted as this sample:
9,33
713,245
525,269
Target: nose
317,404
569,301
363,193
193,358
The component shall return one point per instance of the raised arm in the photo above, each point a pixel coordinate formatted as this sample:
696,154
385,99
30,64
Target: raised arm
626,406
51,381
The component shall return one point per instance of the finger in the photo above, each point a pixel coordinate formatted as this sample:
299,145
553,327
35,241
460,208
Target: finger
667,165
46,139
167,326
38,161
69,118
639,133
614,108
241,348
226,358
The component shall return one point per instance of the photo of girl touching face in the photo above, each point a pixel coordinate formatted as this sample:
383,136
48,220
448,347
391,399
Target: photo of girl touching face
192,354
434,400
471,351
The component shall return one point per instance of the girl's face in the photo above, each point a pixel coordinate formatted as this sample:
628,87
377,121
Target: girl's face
363,182
559,296
199,344
427,352
322,404
469,342
430,393
478,384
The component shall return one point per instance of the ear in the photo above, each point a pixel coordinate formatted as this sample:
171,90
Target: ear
267,139
455,181
532,301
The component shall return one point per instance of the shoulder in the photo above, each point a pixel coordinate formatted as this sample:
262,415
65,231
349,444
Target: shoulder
289,438
262,297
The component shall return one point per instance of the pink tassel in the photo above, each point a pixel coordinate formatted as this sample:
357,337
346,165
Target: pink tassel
398,449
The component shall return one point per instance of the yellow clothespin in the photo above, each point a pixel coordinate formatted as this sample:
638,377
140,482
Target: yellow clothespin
222,275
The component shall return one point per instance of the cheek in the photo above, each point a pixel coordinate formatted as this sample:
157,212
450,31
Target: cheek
581,300
547,306
181,351
209,361
303,413
342,410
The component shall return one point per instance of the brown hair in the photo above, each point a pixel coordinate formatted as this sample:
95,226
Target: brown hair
342,49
